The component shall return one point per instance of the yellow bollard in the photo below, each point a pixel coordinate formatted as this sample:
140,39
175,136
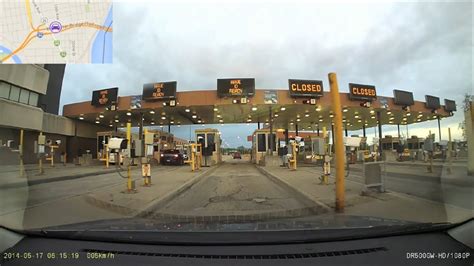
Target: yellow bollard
338,143
430,156
450,150
129,174
107,156
292,161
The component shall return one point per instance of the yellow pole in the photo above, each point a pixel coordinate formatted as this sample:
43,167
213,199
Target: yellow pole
450,144
192,156
430,155
145,178
22,167
129,179
338,143
107,156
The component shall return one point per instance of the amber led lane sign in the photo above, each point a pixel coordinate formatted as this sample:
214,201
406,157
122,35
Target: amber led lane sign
362,92
159,91
305,88
105,97
235,87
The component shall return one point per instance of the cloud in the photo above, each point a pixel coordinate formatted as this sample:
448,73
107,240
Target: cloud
422,47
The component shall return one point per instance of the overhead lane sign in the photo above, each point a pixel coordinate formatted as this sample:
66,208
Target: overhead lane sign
105,97
235,87
159,91
432,102
362,92
449,105
305,88
404,98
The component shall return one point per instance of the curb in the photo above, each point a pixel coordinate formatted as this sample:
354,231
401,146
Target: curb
53,179
319,206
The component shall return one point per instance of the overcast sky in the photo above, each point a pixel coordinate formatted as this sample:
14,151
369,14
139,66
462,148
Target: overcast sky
421,47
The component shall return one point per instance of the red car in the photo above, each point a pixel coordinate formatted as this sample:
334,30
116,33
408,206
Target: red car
171,157
237,155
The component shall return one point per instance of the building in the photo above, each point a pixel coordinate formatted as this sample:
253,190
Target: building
29,101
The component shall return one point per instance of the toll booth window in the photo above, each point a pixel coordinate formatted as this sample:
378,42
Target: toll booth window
210,142
24,96
33,101
4,90
100,145
262,147
271,142
200,139
14,93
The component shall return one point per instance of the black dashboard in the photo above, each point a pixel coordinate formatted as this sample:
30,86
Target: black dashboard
433,248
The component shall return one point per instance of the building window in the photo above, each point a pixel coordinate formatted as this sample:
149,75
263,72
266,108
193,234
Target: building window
33,99
14,93
4,90
24,95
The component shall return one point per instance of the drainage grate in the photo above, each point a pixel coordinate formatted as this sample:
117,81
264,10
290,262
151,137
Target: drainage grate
250,257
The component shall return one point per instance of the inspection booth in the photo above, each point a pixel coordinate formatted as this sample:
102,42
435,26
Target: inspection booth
210,139
261,145
415,147
103,140
313,149
163,140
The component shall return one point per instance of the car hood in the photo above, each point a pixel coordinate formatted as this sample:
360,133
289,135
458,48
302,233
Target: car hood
302,223
298,230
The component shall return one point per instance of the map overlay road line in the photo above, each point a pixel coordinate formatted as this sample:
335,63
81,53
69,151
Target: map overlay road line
72,24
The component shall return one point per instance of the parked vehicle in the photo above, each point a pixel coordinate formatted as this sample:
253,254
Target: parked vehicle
237,155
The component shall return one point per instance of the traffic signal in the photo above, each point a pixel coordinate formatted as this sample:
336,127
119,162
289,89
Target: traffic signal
365,104
171,103
243,100
310,101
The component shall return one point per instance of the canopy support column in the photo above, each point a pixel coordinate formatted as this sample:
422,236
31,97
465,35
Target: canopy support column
379,122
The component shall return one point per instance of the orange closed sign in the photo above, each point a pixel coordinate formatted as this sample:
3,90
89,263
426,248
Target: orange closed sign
362,92
305,88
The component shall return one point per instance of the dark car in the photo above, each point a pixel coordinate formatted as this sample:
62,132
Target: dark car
172,157
237,155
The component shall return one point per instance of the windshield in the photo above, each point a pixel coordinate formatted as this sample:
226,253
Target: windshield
233,117
171,151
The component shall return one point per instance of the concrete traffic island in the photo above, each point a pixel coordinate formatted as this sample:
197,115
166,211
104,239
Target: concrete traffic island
390,205
167,183
235,192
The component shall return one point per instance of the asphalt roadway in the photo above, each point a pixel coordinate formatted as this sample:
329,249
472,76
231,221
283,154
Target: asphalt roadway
235,187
